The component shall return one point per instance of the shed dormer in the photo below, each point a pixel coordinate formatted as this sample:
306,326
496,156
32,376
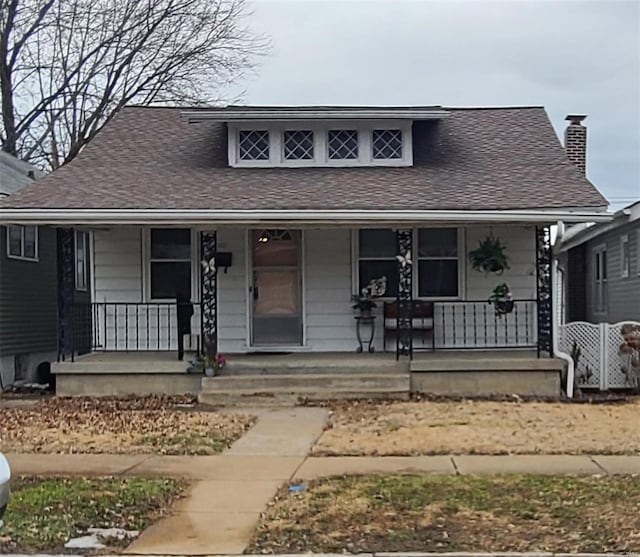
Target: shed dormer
291,137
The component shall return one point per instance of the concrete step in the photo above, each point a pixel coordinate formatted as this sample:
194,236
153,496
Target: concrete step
309,382
279,396
314,366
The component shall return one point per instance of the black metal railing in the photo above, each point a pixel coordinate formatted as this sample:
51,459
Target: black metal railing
475,325
133,327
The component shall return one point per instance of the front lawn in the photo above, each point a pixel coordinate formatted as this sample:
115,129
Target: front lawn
149,424
44,513
481,427
454,513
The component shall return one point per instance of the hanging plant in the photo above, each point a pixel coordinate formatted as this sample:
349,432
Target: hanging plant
502,299
489,256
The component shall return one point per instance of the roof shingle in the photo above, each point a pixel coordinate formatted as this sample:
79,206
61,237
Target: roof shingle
151,158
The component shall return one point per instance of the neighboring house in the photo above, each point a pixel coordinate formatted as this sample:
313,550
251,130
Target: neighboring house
262,222
28,286
601,265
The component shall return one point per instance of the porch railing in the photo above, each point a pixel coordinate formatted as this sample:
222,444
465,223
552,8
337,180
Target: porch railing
134,327
475,325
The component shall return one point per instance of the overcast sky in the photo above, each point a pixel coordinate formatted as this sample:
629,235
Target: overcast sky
572,57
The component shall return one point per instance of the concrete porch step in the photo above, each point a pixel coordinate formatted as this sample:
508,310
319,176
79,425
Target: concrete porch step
285,388
278,396
307,382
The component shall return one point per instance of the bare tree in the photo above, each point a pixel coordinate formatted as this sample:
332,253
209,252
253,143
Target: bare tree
68,66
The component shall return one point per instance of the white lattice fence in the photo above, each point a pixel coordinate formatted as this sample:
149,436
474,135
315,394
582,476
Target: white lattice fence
618,364
587,338
601,364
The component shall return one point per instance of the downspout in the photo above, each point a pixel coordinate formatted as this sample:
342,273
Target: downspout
555,275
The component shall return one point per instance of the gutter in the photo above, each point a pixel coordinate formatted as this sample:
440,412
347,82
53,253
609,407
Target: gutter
555,336
293,217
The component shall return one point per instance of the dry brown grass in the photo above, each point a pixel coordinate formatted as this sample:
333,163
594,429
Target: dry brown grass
117,426
454,513
481,427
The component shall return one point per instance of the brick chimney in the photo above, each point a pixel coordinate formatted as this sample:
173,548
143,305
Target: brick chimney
575,141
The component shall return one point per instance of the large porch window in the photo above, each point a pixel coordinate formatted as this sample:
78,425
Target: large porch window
436,256
170,263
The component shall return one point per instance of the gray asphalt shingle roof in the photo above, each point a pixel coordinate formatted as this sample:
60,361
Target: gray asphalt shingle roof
151,158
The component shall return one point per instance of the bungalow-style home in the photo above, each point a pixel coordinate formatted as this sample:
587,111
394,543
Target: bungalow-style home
28,287
601,266
253,232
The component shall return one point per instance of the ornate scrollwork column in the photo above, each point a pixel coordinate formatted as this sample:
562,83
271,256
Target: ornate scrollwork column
209,292
544,289
404,326
66,286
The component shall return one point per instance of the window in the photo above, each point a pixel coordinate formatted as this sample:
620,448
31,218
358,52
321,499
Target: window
253,145
377,258
298,145
82,249
387,144
600,278
22,242
438,264
170,264
342,144
625,256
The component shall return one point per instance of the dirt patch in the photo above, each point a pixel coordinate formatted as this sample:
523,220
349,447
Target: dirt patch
44,513
481,427
157,425
454,513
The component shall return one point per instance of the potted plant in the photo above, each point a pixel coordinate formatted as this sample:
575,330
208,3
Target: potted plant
489,256
365,301
502,299
212,365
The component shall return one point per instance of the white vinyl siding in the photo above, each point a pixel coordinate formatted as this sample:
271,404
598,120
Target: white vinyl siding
329,320
232,292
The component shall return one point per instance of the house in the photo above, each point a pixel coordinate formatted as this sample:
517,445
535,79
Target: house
246,230
601,265
28,287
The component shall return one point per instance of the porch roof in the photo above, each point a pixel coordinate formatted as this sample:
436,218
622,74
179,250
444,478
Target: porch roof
148,161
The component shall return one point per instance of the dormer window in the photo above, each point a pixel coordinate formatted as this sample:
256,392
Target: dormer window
387,144
343,144
253,145
298,145
330,143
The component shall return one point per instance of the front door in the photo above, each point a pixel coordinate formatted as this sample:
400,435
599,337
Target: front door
275,288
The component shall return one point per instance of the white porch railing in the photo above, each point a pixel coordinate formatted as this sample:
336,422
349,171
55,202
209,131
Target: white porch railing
596,349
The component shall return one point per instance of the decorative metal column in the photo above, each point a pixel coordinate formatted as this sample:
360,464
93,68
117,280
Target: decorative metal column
544,289
209,293
404,330
66,286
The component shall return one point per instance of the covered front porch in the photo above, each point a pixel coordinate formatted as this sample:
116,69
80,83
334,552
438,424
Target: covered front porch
255,290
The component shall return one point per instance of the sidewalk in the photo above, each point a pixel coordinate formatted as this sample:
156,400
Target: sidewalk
235,466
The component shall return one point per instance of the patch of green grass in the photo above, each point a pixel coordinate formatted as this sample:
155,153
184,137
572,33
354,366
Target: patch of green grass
44,513
455,513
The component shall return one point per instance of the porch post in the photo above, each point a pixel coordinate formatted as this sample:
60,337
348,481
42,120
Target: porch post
208,293
544,289
404,325
66,287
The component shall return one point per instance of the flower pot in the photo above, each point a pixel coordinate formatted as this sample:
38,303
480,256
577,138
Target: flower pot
504,306
365,313
209,371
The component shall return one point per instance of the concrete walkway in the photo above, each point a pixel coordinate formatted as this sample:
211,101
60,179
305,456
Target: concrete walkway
222,508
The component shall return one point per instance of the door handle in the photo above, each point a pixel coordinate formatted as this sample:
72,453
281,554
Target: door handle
255,292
